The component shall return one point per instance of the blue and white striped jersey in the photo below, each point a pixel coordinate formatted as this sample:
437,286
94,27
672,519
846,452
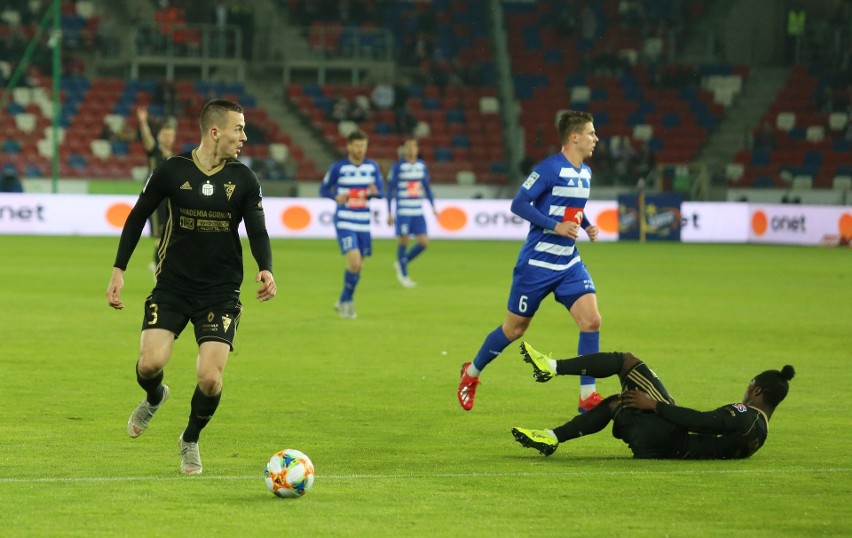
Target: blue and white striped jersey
353,180
558,191
408,184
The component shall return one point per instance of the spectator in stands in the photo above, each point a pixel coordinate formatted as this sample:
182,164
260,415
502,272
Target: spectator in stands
643,161
108,37
622,155
340,108
764,138
9,181
588,23
400,108
166,96
157,151
796,21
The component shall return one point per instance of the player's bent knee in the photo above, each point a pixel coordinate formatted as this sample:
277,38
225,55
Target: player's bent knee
149,366
210,384
629,361
515,332
591,324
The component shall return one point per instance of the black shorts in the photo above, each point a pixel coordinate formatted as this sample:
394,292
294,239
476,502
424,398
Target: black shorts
647,435
215,317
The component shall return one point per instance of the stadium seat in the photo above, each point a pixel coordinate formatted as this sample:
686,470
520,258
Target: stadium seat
22,95
734,172
580,94
643,132
489,105
815,133
115,122
837,121
101,149
279,152
842,183
465,177
785,121
802,182
139,173
345,127
26,122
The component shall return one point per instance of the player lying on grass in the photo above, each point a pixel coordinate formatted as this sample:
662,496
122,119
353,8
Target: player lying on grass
645,416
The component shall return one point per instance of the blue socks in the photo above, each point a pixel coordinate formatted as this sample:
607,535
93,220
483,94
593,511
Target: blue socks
401,259
589,343
350,280
494,344
415,251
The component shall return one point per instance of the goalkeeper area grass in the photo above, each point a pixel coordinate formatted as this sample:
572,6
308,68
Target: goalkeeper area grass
373,402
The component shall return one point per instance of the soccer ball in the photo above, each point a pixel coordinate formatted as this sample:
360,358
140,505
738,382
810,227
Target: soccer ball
289,473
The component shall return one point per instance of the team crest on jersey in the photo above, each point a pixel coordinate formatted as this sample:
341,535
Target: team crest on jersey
229,189
740,407
208,189
530,180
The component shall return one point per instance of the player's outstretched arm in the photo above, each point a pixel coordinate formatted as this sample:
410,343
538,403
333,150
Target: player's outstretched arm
113,292
267,288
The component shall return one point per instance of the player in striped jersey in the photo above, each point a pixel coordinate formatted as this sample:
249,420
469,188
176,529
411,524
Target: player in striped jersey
408,185
352,182
552,199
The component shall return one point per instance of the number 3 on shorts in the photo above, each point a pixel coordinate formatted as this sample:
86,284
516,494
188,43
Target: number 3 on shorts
522,304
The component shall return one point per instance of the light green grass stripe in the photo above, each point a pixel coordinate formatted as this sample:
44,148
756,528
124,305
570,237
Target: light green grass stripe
24,480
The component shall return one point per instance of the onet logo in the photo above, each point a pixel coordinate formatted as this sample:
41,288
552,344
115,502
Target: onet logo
22,213
296,218
116,214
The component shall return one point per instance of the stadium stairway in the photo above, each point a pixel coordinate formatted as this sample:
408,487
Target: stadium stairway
268,95
744,115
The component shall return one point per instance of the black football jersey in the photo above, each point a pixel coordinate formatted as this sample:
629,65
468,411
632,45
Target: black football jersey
200,251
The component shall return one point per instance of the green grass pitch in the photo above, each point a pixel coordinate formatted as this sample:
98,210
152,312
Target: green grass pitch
373,403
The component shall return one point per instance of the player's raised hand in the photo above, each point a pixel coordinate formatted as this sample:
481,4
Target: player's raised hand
267,288
113,292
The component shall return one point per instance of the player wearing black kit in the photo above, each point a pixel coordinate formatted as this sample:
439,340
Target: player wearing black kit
200,271
645,416
157,150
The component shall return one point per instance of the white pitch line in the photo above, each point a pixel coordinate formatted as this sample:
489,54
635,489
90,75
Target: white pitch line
27,480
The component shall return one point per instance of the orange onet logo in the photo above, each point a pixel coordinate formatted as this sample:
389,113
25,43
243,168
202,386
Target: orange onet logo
844,225
116,214
296,217
452,219
607,221
759,223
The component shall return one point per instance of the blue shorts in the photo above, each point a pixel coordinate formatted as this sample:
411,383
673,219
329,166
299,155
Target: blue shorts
348,240
410,226
531,284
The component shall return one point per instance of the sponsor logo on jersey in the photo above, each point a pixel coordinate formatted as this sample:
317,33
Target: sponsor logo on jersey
530,180
186,186
573,214
740,407
208,189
